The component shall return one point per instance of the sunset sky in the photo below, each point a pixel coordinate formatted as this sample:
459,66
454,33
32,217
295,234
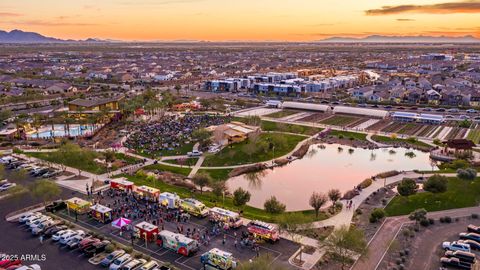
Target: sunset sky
219,20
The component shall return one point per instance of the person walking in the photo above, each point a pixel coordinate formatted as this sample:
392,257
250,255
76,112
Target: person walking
41,239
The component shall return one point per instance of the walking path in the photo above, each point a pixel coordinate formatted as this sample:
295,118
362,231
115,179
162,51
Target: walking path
369,138
196,167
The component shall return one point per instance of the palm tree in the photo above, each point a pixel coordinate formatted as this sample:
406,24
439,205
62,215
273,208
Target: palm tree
37,122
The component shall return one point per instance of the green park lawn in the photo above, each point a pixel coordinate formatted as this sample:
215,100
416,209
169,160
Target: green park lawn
460,193
185,162
217,175
348,135
390,140
83,161
235,154
283,127
182,150
281,114
211,200
177,170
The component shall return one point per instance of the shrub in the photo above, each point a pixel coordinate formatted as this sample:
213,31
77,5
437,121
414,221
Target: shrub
447,219
109,248
128,249
431,221
407,187
467,174
359,211
424,222
365,183
407,251
474,216
376,215
436,184
274,206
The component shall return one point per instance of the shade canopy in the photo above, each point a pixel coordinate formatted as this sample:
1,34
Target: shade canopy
120,223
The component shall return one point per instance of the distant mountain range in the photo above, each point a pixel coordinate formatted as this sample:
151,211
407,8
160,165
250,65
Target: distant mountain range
19,36
402,39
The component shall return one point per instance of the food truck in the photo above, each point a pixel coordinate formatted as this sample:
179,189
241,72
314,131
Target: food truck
147,193
177,242
194,207
121,184
145,230
169,200
80,206
263,230
101,213
232,219
218,259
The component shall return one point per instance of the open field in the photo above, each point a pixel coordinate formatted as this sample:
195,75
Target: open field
460,193
339,120
282,113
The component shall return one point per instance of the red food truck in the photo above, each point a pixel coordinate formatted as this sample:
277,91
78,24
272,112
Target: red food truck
263,230
121,184
145,230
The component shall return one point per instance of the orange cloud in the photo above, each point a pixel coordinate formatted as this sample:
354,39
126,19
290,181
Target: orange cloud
442,8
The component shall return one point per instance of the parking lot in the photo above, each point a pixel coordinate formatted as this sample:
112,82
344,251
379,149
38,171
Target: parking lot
280,251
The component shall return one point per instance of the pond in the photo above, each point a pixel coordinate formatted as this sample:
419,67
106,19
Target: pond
323,168
46,132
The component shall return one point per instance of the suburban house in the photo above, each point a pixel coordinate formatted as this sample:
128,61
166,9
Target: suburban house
94,105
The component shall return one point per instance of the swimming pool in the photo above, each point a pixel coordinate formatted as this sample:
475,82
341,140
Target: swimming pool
47,132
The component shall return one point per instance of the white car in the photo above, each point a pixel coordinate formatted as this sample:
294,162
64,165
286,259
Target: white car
59,234
23,218
42,226
134,264
195,153
32,219
68,236
7,186
30,267
120,261
38,221
456,246
7,159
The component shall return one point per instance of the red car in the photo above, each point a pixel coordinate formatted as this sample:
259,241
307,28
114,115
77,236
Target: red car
8,263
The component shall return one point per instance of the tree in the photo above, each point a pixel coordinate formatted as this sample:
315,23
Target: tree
343,241
109,156
418,215
334,195
292,224
317,200
45,190
202,136
467,174
219,188
202,180
240,197
436,184
178,88
377,214
407,187
274,206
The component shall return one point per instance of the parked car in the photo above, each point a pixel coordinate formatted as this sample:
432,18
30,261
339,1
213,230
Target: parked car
55,206
59,234
473,228
195,153
133,264
471,236
86,242
30,267
42,226
455,262
50,174
31,219
66,237
111,257
7,186
74,241
23,218
472,111
8,263
96,248
120,261
472,243
53,230
456,246
149,266
461,255
38,222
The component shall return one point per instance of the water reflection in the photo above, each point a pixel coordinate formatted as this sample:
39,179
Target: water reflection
324,169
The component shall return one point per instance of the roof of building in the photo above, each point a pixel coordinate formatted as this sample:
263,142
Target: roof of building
92,102
305,106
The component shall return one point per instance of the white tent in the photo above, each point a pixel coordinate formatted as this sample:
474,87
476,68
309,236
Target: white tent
305,106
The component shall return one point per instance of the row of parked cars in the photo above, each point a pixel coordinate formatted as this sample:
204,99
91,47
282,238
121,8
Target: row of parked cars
458,254
90,246
33,169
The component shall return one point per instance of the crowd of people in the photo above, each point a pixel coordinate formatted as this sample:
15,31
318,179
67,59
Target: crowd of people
169,133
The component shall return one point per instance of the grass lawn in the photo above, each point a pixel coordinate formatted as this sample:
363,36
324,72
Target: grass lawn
474,135
85,163
348,134
211,200
128,159
182,150
182,171
217,175
273,126
187,161
389,140
339,120
235,155
281,114
460,193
